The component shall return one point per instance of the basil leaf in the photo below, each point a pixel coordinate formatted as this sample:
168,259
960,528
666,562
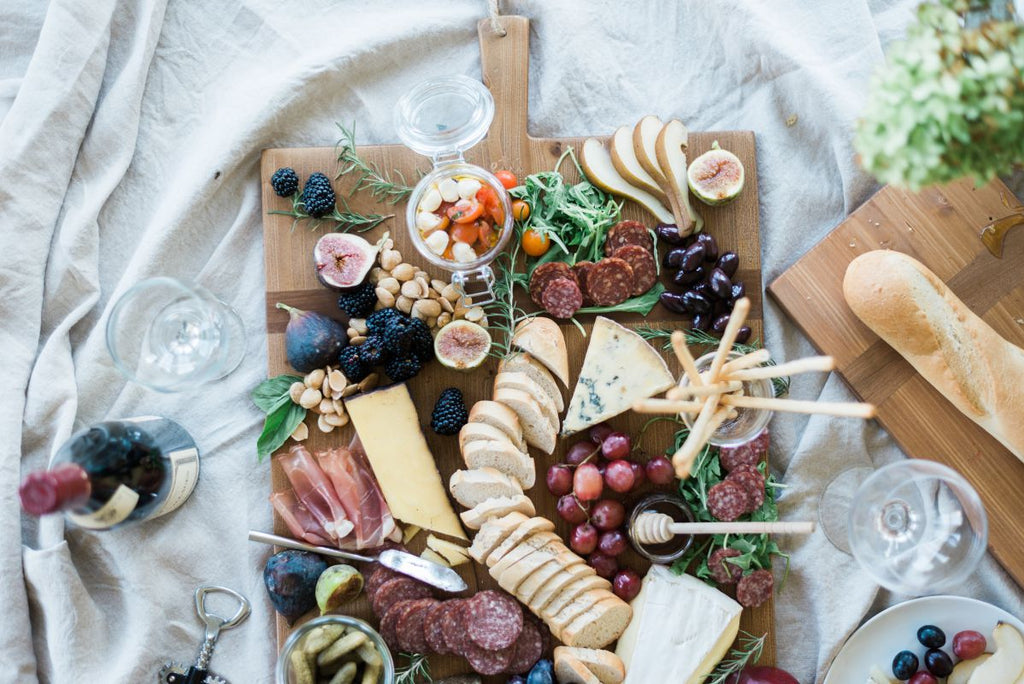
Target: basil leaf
280,424
270,394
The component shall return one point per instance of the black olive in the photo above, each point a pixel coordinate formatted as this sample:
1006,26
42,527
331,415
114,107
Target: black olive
722,306
669,234
673,257
696,302
702,322
931,636
719,325
693,257
743,335
710,246
673,301
728,262
704,289
720,284
938,662
739,290
688,277
904,665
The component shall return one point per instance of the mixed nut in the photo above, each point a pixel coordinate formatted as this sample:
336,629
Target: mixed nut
322,391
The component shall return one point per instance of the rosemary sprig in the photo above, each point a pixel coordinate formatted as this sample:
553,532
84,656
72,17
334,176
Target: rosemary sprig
416,670
344,220
503,314
748,652
367,175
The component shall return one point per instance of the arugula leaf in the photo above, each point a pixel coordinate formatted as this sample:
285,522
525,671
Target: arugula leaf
641,304
280,424
273,392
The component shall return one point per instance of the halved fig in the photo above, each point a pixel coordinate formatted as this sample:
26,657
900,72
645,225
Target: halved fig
716,177
342,260
462,345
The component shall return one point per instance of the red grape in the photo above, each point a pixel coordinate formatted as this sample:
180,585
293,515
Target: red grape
619,476
607,514
583,539
559,479
968,644
616,445
580,452
599,432
612,543
639,474
660,471
587,482
761,674
606,566
923,677
626,584
571,510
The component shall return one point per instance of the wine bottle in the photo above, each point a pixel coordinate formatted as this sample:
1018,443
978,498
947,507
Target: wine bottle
116,472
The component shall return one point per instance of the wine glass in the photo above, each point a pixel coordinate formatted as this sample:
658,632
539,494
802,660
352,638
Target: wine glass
172,336
916,527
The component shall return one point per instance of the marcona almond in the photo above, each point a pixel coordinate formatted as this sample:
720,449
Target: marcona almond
310,398
432,322
300,432
385,298
444,319
424,284
314,378
446,305
404,272
390,284
337,380
389,259
403,304
412,290
325,406
376,273
325,386
427,308
358,339
359,324
335,420
339,407
438,285
322,423
451,293
296,390
387,244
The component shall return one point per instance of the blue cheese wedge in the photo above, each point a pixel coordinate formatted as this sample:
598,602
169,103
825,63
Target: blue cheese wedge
619,369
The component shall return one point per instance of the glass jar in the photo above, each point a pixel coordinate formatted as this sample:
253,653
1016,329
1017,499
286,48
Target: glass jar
285,672
748,422
443,118
674,507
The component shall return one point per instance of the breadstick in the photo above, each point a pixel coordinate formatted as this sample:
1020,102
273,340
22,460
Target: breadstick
813,363
736,321
685,357
842,410
684,391
699,435
754,358
666,406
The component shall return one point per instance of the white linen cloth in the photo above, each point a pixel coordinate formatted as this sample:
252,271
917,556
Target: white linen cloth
130,133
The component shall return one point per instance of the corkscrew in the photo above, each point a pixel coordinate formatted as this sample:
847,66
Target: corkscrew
174,673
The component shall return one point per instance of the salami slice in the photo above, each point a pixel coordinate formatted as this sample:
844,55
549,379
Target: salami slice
609,282
389,623
755,588
433,628
722,572
409,630
544,274
627,233
494,621
732,458
582,270
645,270
752,481
728,500
399,589
562,298
453,626
527,650
488,662
378,576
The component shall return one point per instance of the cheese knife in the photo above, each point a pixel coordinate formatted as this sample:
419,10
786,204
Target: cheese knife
404,562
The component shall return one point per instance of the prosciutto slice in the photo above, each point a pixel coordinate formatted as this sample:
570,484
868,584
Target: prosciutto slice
360,495
299,520
315,491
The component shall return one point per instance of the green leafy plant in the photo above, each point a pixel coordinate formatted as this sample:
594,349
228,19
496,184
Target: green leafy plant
283,415
416,669
950,101
746,653
344,220
367,175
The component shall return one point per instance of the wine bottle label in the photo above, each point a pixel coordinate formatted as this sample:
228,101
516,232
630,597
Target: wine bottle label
119,507
184,475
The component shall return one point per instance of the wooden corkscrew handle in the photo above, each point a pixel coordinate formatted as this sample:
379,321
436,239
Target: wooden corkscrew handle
658,528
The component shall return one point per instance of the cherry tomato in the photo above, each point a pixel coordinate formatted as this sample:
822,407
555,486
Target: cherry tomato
520,210
484,230
465,232
486,196
466,211
535,244
507,178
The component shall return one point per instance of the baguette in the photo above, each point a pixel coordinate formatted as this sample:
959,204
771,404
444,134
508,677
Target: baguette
967,361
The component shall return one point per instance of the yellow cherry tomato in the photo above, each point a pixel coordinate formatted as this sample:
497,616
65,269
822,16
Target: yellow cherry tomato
535,244
520,210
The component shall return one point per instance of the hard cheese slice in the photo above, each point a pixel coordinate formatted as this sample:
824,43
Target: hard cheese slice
620,368
681,629
389,429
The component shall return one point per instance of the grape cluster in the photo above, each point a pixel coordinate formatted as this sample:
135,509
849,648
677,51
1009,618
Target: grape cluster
604,460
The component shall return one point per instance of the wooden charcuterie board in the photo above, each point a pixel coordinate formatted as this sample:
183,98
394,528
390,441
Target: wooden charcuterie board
290,279
940,227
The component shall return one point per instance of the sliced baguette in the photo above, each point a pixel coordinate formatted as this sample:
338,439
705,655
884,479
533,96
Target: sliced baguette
599,626
523,362
475,517
581,586
605,665
526,548
477,432
493,533
499,416
543,338
504,457
528,590
511,577
473,487
524,383
546,594
579,604
570,670
515,538
538,428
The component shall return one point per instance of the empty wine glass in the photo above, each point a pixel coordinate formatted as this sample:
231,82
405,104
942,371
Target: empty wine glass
172,336
916,527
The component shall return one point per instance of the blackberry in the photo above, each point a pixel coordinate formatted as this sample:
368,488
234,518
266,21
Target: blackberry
402,368
379,320
358,303
422,341
351,363
398,336
371,352
318,195
450,413
285,182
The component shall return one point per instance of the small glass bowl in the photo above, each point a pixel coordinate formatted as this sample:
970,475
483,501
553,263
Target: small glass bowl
661,502
284,672
749,422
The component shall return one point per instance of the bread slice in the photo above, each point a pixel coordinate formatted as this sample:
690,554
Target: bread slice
526,591
528,547
577,606
570,670
538,428
522,362
473,487
599,626
543,338
517,535
499,416
569,594
504,457
553,588
605,665
493,533
512,577
522,381
475,517
478,432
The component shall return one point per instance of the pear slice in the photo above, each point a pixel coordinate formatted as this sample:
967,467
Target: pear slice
961,674
645,133
625,162
670,149
1007,662
597,164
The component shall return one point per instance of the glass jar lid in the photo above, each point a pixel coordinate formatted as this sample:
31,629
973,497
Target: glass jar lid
443,117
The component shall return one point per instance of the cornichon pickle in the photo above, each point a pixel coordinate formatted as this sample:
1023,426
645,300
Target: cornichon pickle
339,648
301,668
346,675
370,655
320,638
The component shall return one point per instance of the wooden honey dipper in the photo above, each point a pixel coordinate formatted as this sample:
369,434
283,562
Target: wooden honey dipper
658,528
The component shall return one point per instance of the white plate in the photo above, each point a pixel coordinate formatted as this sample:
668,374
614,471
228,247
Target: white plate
879,639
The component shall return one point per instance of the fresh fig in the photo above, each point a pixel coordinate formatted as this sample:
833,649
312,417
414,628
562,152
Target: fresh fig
715,177
462,345
290,577
343,260
312,340
338,585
